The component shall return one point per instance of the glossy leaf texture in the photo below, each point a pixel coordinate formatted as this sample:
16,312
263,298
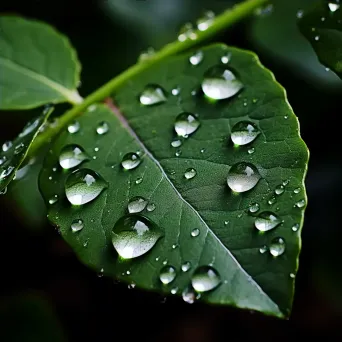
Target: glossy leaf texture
13,153
38,65
186,226
322,26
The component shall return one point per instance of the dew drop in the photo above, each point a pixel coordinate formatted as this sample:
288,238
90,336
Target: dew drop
6,172
3,160
152,94
136,204
102,128
277,246
187,32
138,180
74,127
196,58
251,150
300,203
175,91
151,207
53,200
195,232
76,225
266,221
220,83
254,207
205,21
6,146
190,173
244,132
134,235
205,278
186,124
167,274
263,249
243,177
176,143
189,295
295,227
130,161
296,191
333,7
72,156
279,190
186,266
145,55
178,153
174,290
226,58
272,200
292,275
83,186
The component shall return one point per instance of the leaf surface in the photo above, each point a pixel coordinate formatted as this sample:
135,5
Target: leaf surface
227,238
38,65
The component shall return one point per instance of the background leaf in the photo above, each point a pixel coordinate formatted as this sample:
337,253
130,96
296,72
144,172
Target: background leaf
227,238
47,72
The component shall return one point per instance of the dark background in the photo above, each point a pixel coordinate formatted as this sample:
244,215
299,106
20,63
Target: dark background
47,295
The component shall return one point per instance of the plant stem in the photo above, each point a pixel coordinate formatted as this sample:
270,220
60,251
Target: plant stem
221,22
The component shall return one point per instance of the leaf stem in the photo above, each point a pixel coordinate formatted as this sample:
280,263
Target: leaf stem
221,22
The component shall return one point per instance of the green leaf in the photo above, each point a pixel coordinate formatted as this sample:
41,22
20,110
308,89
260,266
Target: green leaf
14,152
322,26
38,65
227,238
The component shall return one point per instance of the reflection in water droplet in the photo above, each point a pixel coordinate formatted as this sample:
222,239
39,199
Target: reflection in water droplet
279,189
53,199
205,21
277,246
187,32
220,83
243,177
134,235
102,128
286,182
167,274
295,227
333,7
83,186
77,225
300,14
205,278
195,232
176,143
196,58
137,204
190,173
186,266
74,127
152,95
6,146
186,124
300,203
266,221
178,153
72,156
151,207
244,132
130,161
254,207
263,249
145,55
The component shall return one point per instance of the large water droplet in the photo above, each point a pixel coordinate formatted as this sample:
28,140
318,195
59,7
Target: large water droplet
196,58
72,156
190,173
130,161
277,246
134,235
102,128
186,124
226,58
186,266
83,186
19,148
187,32
6,146
266,221
243,177
220,83
152,94
205,278
167,274
333,7
137,204
74,127
147,54
205,21
195,232
244,132
76,225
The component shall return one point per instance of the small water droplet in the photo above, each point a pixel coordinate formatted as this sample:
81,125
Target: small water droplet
277,246
131,286
196,58
174,246
77,225
167,274
186,266
296,191
174,290
286,182
189,296
2,160
96,149
226,223
300,14
130,161
279,190
83,186
190,173
300,203
226,58
178,153
292,275
251,150
53,199
147,54
102,128
186,124
244,132
316,38
72,156
6,146
202,150
323,19
187,32
205,278
152,94
333,7
175,91
205,20
136,204
164,262
85,244
7,172
266,221
295,227
272,200
151,207
243,177
254,207
74,127
134,235
195,232
176,143
220,83
263,249
138,180
19,148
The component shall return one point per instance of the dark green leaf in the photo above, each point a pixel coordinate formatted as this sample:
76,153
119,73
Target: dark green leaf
38,65
14,152
322,26
227,238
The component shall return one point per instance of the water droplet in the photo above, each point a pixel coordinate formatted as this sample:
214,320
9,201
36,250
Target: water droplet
190,173
226,58
178,153
174,246
83,186
251,150
263,249
6,146
174,290
187,32
272,200
254,207
244,132
323,19
292,275
145,55
196,58
243,177
286,182
176,143
72,156
266,221
151,207
205,278
53,199
136,204
279,190
195,232
74,127
175,91
333,7
300,203
152,95
130,161
189,295
2,160
77,225
186,266
134,235
138,180
316,38
296,191
6,172
277,246
102,128
295,227
186,124
19,148
300,14
220,83
205,21
96,149
226,223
